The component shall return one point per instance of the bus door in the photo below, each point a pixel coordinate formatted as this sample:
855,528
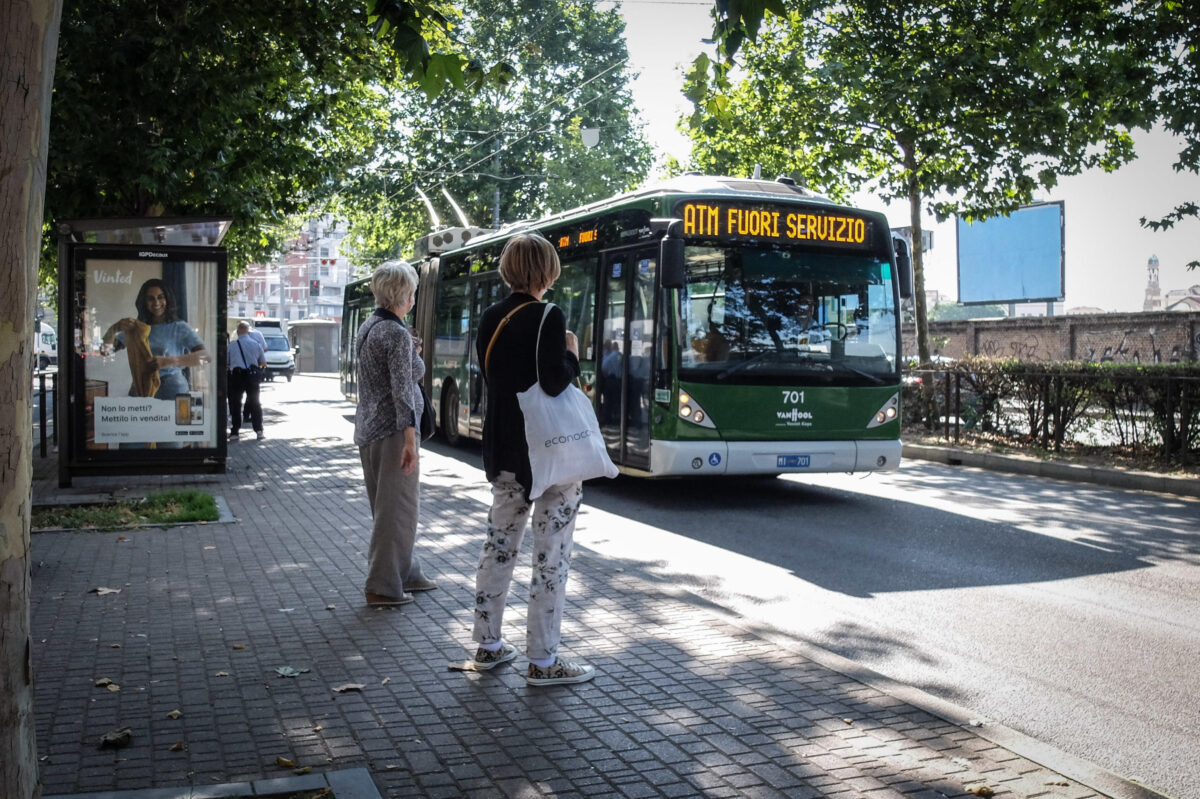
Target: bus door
626,365
484,292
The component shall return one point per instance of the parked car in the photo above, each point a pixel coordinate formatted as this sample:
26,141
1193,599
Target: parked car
280,359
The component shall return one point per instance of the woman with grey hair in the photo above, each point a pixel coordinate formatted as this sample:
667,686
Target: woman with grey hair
385,430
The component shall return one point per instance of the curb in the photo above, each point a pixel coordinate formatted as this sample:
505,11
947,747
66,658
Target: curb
1019,464
355,783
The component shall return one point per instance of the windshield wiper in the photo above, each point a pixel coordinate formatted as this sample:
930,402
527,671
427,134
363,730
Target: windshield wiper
740,365
878,380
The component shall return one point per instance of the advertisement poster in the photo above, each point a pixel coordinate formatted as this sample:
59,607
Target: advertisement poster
148,333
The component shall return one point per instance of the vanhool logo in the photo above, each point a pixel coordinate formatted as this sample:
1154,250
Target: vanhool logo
794,415
568,438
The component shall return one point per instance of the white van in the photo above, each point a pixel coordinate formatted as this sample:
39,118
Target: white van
45,345
266,325
280,360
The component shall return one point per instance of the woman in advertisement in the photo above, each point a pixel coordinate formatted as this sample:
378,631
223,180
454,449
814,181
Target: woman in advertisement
160,344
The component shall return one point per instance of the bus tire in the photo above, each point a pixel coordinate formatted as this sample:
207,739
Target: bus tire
450,415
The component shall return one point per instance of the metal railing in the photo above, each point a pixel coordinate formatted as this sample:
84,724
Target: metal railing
43,376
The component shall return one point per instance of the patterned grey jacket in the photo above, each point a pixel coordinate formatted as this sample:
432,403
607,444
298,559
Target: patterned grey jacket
389,372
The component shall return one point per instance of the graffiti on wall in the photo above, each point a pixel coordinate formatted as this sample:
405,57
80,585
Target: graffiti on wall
1132,346
1111,338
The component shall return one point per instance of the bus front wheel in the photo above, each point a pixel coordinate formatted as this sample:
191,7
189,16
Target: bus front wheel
450,416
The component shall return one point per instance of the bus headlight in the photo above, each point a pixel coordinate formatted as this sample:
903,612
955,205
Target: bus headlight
690,411
888,413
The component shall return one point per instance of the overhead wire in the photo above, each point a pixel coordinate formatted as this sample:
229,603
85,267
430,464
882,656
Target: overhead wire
459,172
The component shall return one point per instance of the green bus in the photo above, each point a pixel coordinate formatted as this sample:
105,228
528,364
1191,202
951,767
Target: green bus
725,325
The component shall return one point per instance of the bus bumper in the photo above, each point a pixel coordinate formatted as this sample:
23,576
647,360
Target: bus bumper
772,457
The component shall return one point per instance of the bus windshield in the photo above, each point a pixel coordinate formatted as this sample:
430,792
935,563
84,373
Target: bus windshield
773,315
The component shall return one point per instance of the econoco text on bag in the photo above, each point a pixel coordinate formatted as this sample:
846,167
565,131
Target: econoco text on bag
567,439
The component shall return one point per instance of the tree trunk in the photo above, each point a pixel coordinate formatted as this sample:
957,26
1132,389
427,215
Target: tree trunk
28,45
918,257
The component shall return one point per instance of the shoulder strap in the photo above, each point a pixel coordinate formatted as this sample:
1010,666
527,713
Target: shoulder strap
537,348
243,352
487,357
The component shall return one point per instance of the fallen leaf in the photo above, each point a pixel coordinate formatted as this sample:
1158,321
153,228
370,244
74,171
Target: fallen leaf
385,681
176,747
302,770
331,607
848,721
120,538
283,762
112,686
174,714
103,681
289,671
980,790
114,646
239,646
1062,783
102,591
350,686
318,728
221,674
115,739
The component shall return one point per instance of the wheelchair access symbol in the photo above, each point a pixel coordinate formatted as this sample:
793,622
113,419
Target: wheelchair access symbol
714,459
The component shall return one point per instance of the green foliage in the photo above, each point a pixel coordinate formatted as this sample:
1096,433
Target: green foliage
165,507
963,108
953,311
1147,407
255,111
1173,28
512,151
933,98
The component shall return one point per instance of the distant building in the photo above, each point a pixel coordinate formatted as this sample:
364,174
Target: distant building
1035,309
306,283
1184,299
1154,300
1084,310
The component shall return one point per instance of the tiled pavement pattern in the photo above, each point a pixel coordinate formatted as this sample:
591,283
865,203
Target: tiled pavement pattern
687,703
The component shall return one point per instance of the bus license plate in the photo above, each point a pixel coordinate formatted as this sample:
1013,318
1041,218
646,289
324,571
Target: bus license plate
792,461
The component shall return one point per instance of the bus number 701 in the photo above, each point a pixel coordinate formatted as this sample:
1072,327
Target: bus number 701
794,397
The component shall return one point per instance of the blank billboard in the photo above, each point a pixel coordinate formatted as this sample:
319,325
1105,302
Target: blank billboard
1015,258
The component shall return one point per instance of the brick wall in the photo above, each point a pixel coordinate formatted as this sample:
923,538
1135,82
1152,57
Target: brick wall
1121,338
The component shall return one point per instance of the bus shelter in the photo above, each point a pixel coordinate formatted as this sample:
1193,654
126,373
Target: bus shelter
142,346
316,343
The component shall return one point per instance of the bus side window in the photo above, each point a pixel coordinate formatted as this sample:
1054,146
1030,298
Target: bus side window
452,320
574,292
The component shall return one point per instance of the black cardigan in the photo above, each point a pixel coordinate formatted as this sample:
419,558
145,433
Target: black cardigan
513,369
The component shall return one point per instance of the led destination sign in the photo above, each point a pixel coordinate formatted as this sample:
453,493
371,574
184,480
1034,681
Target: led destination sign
725,220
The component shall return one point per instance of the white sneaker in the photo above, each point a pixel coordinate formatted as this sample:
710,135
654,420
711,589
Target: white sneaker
560,672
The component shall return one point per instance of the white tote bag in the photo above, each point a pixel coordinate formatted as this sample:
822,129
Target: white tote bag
564,438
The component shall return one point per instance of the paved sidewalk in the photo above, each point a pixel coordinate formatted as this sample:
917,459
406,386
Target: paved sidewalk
688,701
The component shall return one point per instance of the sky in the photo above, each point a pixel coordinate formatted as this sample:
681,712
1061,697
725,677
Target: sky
1106,248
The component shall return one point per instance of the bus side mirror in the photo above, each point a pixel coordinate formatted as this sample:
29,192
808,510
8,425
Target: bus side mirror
903,267
672,274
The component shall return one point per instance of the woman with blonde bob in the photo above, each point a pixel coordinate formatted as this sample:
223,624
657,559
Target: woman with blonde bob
511,360
385,430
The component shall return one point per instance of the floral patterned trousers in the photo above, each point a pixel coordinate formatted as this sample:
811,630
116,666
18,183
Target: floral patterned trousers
553,534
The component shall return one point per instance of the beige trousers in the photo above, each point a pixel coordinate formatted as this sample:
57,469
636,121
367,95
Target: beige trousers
395,500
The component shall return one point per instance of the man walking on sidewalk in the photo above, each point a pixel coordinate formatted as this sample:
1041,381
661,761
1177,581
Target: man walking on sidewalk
246,360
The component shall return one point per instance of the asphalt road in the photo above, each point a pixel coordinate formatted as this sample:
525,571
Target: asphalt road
1068,612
